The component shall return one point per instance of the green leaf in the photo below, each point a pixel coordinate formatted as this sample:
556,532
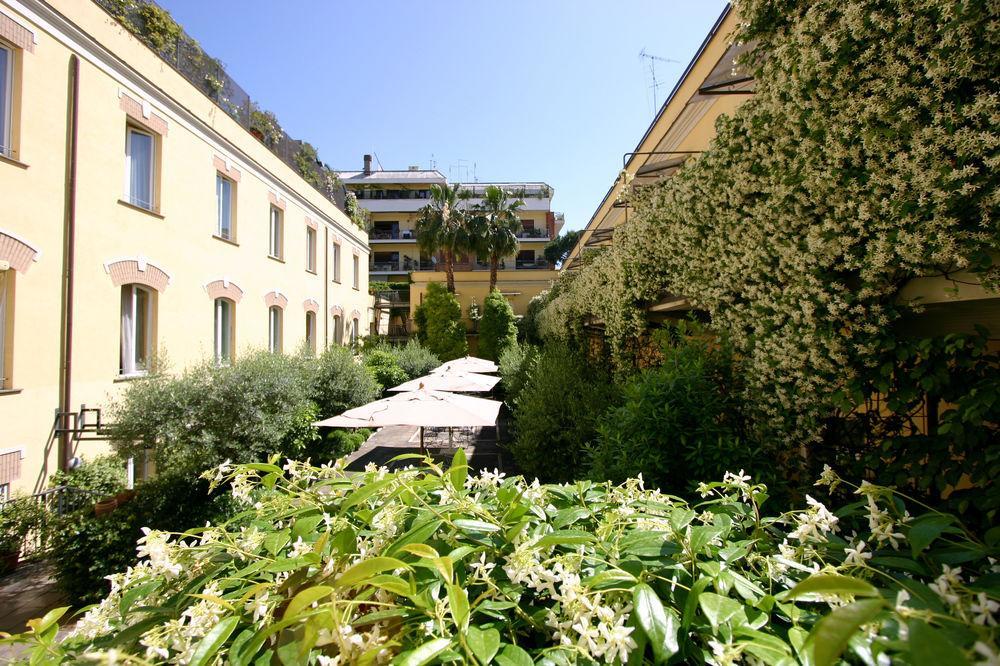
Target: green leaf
458,600
420,550
701,535
691,604
418,533
831,634
659,625
305,598
213,641
717,608
364,492
367,568
925,529
275,541
511,655
425,653
484,643
566,537
610,578
832,584
459,470
569,516
929,647
306,526
468,525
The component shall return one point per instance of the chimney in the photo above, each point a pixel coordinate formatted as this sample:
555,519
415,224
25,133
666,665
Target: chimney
368,165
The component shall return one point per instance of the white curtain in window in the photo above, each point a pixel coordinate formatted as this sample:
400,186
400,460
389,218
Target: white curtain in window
128,331
5,88
139,157
3,328
224,193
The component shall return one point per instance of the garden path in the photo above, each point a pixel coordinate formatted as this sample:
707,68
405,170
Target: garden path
29,592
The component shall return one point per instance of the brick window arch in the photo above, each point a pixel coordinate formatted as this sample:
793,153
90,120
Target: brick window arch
275,298
136,270
310,305
224,288
18,252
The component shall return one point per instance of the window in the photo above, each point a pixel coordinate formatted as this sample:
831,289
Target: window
224,200
357,272
336,262
338,329
139,168
137,329
310,249
355,331
274,329
224,324
311,331
6,327
276,235
6,95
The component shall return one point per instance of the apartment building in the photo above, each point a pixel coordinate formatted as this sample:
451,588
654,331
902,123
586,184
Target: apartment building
395,198
140,219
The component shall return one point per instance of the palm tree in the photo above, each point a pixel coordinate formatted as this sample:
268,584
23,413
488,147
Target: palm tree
496,226
443,226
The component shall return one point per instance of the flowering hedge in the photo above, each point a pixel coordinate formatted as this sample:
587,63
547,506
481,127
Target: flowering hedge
431,565
867,157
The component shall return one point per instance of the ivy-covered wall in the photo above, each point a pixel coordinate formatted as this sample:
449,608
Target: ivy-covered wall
867,157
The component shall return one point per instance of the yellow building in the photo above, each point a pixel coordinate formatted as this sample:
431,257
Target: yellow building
139,218
713,85
395,198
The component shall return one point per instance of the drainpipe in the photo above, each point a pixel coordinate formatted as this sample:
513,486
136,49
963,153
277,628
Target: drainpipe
69,250
326,287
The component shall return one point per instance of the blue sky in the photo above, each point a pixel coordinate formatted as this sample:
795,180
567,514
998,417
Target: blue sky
550,90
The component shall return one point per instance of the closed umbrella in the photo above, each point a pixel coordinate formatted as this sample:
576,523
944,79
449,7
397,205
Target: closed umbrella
419,408
459,382
467,364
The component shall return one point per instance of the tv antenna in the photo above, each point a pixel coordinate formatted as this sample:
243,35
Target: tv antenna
652,60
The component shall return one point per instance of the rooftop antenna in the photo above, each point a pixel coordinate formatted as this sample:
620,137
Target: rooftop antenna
433,162
653,59
380,167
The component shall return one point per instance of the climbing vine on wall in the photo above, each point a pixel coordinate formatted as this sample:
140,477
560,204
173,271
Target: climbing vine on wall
868,156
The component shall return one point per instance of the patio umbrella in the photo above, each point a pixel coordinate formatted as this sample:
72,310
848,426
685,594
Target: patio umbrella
456,381
467,364
419,408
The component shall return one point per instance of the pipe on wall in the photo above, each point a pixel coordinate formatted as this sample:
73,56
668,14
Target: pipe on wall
69,257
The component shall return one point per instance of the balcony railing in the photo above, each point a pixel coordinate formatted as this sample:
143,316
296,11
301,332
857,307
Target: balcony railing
529,264
393,297
392,234
532,233
414,265
383,266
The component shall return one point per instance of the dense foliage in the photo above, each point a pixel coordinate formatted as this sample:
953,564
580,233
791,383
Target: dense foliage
494,225
678,422
339,382
415,359
89,547
104,475
440,319
428,565
557,248
385,368
497,329
867,157
556,414
516,364
443,227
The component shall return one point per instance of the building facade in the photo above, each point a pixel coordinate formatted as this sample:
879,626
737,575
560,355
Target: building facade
140,221
394,200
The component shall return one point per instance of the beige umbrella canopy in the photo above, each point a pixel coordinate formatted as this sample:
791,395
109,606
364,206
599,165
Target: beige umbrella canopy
460,382
467,364
419,408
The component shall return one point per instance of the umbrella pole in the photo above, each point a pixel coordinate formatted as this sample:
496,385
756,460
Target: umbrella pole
422,449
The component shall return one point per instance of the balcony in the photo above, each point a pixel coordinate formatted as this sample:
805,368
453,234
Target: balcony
532,264
532,233
396,234
384,267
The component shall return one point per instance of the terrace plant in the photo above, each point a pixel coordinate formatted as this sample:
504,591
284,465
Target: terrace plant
495,223
497,329
431,565
440,317
443,226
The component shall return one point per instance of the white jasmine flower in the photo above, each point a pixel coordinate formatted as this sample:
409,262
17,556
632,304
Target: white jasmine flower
856,556
983,608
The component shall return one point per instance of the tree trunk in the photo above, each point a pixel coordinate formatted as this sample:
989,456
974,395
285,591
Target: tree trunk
494,261
449,269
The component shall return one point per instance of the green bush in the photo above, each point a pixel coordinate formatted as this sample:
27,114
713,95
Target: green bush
18,517
497,328
679,422
258,405
103,474
415,359
516,364
431,566
440,316
339,382
556,414
384,368
89,548
338,443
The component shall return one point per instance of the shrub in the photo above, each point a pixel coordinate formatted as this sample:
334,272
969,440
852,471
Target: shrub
516,364
497,330
258,405
339,382
18,517
679,422
441,317
103,474
415,359
556,414
89,548
384,368
339,443
428,565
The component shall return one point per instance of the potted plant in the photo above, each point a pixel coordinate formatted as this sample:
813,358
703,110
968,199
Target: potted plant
264,125
17,518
